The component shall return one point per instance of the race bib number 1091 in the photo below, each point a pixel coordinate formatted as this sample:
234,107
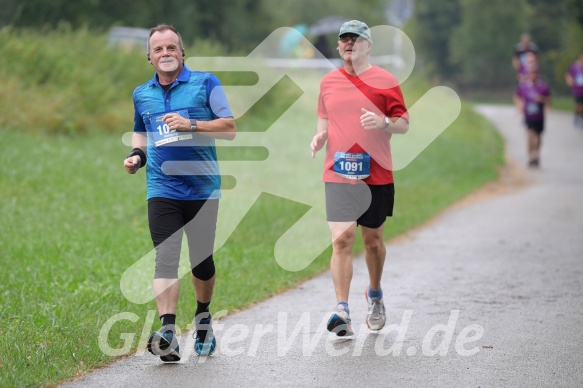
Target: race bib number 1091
352,165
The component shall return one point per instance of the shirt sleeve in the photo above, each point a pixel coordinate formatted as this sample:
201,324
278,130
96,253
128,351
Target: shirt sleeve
217,98
139,125
518,92
573,70
396,105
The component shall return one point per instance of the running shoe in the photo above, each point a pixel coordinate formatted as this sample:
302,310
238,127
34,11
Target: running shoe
164,345
340,323
376,317
205,342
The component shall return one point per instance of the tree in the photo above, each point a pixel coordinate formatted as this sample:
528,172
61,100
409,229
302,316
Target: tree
98,15
238,25
481,46
546,22
575,7
433,23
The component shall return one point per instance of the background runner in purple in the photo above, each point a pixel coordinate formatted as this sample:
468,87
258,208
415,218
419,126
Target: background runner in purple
574,78
532,96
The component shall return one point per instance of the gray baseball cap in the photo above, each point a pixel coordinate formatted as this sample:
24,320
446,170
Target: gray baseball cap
356,27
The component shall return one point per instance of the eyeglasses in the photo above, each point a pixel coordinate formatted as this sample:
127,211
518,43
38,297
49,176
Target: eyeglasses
348,38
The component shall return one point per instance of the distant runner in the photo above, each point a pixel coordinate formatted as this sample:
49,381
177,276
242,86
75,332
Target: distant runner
525,54
532,97
574,78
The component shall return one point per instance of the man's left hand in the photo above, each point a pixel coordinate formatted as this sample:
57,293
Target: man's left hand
371,120
176,122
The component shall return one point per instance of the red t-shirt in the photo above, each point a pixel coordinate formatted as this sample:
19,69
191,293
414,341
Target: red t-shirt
341,100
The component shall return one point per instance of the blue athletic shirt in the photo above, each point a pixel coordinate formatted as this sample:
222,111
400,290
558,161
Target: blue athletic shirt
181,165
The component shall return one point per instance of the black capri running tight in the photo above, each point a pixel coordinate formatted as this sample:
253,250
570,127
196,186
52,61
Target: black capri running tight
168,219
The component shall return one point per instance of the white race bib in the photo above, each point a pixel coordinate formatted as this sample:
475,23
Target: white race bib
162,134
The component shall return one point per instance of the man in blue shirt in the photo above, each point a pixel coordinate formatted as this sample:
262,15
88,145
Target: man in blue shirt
178,115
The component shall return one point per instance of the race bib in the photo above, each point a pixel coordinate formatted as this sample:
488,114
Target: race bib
162,134
579,79
532,108
352,165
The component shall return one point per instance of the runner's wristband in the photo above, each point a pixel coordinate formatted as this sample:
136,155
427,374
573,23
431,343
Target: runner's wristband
141,154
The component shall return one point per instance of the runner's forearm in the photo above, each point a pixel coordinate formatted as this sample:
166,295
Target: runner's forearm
222,128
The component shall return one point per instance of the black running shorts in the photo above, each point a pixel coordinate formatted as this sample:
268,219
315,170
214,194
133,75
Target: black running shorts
368,205
536,126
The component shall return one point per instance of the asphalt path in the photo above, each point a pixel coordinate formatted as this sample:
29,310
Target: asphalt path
488,294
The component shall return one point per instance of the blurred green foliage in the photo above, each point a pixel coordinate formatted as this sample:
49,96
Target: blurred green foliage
238,25
470,42
67,81
70,81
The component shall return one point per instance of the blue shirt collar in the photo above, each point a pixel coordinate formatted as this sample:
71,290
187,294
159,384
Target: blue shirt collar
182,77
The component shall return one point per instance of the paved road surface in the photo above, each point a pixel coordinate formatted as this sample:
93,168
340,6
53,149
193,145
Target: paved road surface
488,294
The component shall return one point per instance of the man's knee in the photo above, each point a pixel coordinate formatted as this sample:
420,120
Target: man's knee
344,240
375,247
373,243
166,271
205,270
167,261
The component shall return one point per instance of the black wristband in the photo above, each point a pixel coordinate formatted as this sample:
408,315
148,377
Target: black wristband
141,154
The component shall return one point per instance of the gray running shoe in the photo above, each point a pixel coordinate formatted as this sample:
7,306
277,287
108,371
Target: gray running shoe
376,317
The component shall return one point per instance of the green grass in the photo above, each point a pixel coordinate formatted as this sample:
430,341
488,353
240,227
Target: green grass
72,221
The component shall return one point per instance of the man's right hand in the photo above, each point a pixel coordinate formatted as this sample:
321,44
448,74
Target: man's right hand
132,164
318,142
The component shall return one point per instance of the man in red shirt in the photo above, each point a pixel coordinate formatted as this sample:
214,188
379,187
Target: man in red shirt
359,108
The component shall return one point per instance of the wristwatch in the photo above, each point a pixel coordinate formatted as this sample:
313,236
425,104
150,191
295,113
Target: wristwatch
387,122
192,125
